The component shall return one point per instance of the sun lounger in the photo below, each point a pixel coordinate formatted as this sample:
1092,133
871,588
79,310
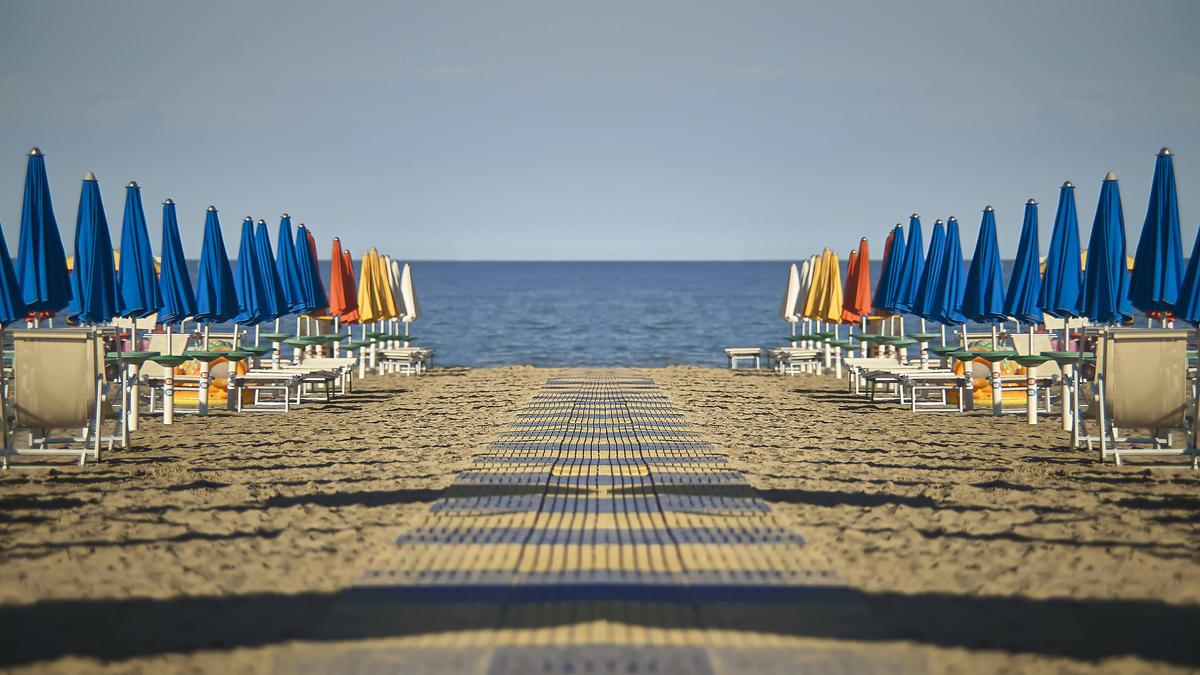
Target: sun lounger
59,384
735,354
790,360
408,360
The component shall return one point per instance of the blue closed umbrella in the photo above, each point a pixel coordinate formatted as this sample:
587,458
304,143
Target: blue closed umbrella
1062,282
289,270
315,299
12,303
925,302
1187,305
247,281
137,282
1106,279
950,281
1021,301
93,281
983,296
272,285
1158,262
216,299
890,277
41,262
914,265
174,283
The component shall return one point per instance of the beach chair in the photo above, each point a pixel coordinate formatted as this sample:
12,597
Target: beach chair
1141,383
407,360
59,384
791,360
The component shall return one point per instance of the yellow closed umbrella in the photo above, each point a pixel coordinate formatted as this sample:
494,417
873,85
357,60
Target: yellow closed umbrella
812,301
387,299
831,301
368,298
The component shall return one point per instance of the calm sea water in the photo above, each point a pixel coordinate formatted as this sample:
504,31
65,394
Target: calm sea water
597,313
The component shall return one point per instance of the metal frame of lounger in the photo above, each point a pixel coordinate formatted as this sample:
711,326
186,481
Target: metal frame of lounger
888,376
940,381
790,360
341,368
406,359
304,379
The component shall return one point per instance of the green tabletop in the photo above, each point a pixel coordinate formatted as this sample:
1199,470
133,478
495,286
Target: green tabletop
357,344
378,335
841,343
202,355
944,350
886,339
168,360
824,335
1067,358
866,337
257,350
236,355
276,337
925,336
297,342
406,338
963,355
794,338
995,356
902,341
1031,360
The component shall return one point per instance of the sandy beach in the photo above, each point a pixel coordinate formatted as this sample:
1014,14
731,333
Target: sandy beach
215,544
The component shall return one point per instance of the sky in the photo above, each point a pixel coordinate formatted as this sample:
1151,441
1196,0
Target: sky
599,130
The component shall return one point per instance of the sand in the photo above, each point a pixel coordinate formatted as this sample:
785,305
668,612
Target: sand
211,544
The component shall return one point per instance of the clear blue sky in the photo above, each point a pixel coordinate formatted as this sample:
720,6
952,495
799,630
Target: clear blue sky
601,130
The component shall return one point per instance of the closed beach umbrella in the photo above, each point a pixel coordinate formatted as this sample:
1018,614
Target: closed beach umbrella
856,303
216,298
286,266
1021,301
926,299
791,293
272,284
1158,263
315,300
368,301
12,303
41,261
390,308
1062,281
983,296
806,278
950,280
174,282
1106,279
408,292
1187,305
351,316
137,280
890,278
914,265
395,278
831,296
93,281
849,316
342,301
812,302
253,304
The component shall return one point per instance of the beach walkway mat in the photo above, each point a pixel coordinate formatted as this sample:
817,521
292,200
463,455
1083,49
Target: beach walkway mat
599,533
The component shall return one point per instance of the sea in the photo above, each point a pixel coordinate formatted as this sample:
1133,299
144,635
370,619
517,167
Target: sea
597,313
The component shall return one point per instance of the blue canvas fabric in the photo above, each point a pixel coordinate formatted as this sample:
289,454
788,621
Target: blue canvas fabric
277,305
925,302
286,265
315,297
914,265
174,283
137,281
1187,305
983,296
950,281
1158,262
1105,296
890,277
216,298
1062,282
247,280
41,260
12,303
93,281
1021,300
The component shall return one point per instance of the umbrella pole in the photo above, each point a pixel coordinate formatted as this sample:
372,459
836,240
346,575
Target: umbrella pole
336,344
168,402
1196,401
943,335
205,337
135,389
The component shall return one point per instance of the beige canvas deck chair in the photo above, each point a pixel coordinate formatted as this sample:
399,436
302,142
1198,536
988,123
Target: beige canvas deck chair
1141,384
58,385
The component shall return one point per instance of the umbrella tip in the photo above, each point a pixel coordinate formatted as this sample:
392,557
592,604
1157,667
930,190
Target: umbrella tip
168,200
1031,202
1068,185
1165,152
286,216
988,208
212,208
89,176
952,218
914,216
247,218
938,221
132,184
1110,176
261,221
35,152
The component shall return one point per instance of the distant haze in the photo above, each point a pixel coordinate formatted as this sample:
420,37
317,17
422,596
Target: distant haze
602,130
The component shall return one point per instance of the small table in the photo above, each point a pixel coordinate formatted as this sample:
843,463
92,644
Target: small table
169,362
1031,363
131,390
993,359
737,353
1066,361
205,358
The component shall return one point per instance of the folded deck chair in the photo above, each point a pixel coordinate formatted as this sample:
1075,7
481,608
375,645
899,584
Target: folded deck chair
59,384
1141,384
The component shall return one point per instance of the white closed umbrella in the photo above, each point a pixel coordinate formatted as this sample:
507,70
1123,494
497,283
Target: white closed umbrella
787,310
412,307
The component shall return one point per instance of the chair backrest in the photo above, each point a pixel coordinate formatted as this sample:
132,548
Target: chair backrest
158,342
55,376
1145,377
1042,342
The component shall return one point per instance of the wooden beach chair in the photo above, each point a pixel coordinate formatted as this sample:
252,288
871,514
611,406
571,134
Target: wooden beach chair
59,384
1141,383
